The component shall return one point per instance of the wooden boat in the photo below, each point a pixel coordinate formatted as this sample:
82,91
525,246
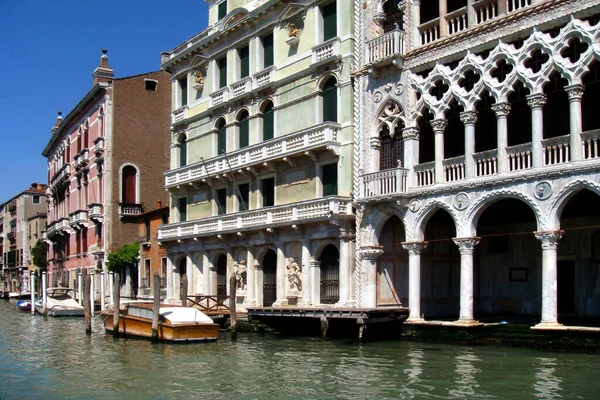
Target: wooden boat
19,295
24,305
176,323
60,303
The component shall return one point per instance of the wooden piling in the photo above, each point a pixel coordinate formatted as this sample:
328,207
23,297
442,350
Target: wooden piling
184,290
361,328
232,300
324,327
86,302
156,315
117,305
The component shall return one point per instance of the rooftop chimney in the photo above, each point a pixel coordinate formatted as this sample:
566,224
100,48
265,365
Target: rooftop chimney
103,73
58,121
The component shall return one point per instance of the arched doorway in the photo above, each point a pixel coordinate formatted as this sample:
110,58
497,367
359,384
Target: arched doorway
269,265
392,266
330,275
222,277
507,261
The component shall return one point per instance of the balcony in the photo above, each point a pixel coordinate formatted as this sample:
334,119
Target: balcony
241,87
81,160
386,48
130,210
78,219
286,215
265,77
95,212
61,176
384,183
327,50
11,235
57,228
324,136
179,115
219,97
98,148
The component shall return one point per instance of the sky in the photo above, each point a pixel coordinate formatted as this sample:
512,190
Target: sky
49,50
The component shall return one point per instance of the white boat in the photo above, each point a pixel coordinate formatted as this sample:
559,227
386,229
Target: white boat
60,303
19,295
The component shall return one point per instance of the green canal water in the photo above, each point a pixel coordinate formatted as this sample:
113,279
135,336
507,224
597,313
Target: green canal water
54,359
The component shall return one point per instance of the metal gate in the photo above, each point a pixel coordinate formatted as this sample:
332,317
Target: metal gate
330,275
269,279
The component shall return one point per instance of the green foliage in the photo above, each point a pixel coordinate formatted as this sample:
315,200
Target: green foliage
38,253
123,258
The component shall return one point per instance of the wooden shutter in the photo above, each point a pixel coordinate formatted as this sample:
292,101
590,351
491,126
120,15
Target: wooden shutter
129,185
222,140
244,62
222,10
222,201
330,101
244,132
182,206
243,196
329,21
183,87
268,122
183,153
268,51
223,72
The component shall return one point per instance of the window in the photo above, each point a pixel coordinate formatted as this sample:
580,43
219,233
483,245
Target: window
221,199
328,13
128,182
243,196
163,269
329,179
86,136
391,151
183,90
244,129
268,121
151,85
147,230
84,241
244,54
330,101
147,269
222,65
268,54
267,189
182,207
183,152
35,199
221,137
222,11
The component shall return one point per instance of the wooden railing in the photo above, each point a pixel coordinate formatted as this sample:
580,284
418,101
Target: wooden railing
209,304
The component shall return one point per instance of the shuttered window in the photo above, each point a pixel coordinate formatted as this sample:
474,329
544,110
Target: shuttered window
221,199
268,122
244,131
244,53
222,139
243,196
183,90
330,101
129,185
182,207
183,153
329,178
222,64
268,51
329,21
268,192
222,11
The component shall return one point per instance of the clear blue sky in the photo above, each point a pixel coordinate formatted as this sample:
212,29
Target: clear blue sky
49,52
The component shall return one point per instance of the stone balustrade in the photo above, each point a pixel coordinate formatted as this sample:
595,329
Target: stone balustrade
385,47
325,50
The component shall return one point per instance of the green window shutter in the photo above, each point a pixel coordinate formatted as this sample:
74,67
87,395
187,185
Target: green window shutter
329,179
183,87
244,132
182,206
222,72
244,62
222,141
268,51
268,123
330,101
244,196
183,153
222,10
329,21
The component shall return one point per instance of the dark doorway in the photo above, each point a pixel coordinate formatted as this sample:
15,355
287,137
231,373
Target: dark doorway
182,272
330,275
566,287
269,279
222,277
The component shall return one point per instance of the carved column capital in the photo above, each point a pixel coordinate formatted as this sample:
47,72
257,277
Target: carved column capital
575,92
347,234
414,248
536,101
371,253
410,133
439,125
468,117
501,109
466,245
549,239
375,143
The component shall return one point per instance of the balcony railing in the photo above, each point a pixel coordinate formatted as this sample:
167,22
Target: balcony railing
430,31
265,77
78,218
61,175
179,115
591,146
425,173
98,148
457,20
325,50
486,10
306,211
321,136
241,87
384,183
556,150
385,47
81,160
486,162
95,211
130,210
519,157
220,96
454,168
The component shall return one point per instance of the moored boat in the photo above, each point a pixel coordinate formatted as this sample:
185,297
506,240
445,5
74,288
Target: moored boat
176,323
60,303
24,305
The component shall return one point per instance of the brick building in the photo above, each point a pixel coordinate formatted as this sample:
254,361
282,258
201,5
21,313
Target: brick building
105,164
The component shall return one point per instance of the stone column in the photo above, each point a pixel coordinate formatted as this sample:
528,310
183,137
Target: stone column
443,7
466,246
190,273
469,118
345,266
375,144
536,102
259,283
549,241
306,281
415,10
368,279
170,279
410,138
315,281
575,93
250,300
502,110
439,126
414,278
280,279
471,14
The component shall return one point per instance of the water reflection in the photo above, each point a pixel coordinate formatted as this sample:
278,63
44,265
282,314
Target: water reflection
547,384
466,370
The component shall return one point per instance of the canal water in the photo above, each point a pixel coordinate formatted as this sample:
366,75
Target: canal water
54,359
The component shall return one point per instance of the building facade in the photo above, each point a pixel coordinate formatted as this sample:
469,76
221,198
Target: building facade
262,155
477,153
22,221
105,165
153,256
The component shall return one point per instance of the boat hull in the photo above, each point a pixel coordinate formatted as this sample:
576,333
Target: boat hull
130,326
59,312
24,305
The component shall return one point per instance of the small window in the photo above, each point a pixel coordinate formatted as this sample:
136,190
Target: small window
329,178
328,13
268,55
267,188
330,101
221,138
222,65
243,196
221,198
36,199
244,127
183,152
151,85
182,206
183,90
268,122
222,10
244,54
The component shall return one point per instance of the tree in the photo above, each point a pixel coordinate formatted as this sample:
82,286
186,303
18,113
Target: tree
124,257
38,253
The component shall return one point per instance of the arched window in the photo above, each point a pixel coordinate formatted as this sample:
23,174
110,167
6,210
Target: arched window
244,129
391,148
86,136
268,121
221,137
330,100
129,184
183,152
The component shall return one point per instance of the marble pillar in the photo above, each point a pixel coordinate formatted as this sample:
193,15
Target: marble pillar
536,102
549,241
466,246
502,110
469,118
414,278
439,126
368,279
575,93
410,138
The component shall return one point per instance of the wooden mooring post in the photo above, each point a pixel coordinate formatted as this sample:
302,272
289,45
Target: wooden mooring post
324,327
156,314
232,300
117,304
86,303
184,290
